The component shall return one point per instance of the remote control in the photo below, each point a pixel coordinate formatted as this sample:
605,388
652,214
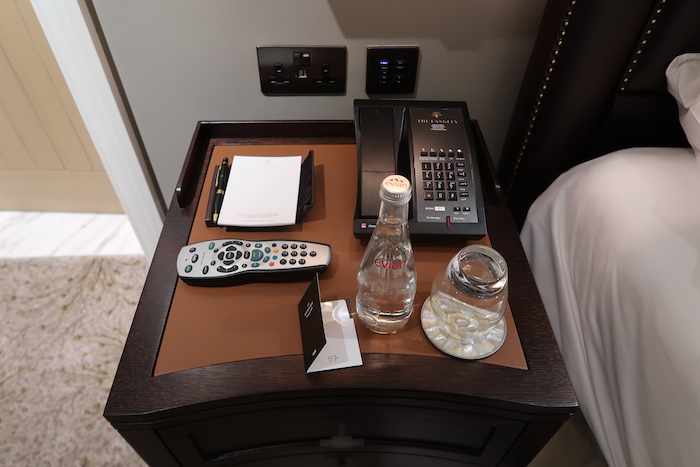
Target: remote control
234,261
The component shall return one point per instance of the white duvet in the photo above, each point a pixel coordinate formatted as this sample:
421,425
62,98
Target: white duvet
614,245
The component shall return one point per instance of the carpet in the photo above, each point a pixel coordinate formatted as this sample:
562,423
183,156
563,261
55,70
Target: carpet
63,324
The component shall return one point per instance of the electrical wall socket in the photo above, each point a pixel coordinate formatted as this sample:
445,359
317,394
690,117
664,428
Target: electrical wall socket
302,69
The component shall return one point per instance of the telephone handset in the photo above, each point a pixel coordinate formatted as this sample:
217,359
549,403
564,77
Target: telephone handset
430,143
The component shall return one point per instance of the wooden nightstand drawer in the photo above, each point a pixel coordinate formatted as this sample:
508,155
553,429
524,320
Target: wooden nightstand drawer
354,428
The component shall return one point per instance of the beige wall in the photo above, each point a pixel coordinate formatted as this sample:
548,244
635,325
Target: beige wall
181,61
47,160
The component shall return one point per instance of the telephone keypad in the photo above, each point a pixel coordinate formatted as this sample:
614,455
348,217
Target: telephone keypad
444,178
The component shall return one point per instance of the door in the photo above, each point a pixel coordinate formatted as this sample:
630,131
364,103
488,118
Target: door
47,159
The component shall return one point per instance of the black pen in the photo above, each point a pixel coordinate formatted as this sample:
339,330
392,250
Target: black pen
221,180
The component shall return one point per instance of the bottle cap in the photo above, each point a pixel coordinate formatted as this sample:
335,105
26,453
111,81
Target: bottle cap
395,189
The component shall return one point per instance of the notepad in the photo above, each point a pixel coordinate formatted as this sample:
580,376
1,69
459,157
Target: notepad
262,191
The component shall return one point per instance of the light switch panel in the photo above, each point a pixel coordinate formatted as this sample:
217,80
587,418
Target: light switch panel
391,69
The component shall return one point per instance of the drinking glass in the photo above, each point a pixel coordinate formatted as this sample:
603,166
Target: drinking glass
464,315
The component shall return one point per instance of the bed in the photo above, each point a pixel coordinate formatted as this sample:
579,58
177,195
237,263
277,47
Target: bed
601,168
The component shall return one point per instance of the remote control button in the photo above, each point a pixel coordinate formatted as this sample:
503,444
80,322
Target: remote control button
285,246
231,248
228,262
256,255
221,255
292,261
303,253
266,259
188,268
258,245
254,265
283,261
193,249
294,246
195,258
285,253
246,255
268,249
271,263
230,255
205,269
213,263
302,246
294,253
239,254
212,245
276,250
302,261
313,253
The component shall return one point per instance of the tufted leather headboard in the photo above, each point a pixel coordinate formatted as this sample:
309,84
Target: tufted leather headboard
595,83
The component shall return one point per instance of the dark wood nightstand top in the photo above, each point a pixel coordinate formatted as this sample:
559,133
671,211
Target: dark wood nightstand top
141,401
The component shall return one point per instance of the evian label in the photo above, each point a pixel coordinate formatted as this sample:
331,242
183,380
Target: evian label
389,264
396,184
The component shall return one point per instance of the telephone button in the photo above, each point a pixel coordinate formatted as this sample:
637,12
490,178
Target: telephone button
428,195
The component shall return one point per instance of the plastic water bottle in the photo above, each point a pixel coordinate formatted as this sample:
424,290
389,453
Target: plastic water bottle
386,280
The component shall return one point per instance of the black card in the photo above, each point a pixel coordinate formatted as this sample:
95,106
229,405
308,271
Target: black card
313,336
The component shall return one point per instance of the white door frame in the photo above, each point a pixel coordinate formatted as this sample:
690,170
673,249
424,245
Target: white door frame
72,44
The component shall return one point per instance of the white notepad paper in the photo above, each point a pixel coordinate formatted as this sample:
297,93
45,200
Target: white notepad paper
262,191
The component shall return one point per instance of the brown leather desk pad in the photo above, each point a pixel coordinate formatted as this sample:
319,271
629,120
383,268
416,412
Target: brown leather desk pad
211,325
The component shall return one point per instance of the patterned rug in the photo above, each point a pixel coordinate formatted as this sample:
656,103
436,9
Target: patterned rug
63,324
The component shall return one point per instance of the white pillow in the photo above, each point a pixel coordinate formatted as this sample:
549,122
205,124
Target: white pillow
683,78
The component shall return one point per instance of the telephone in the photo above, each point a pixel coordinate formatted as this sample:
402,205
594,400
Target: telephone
432,144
